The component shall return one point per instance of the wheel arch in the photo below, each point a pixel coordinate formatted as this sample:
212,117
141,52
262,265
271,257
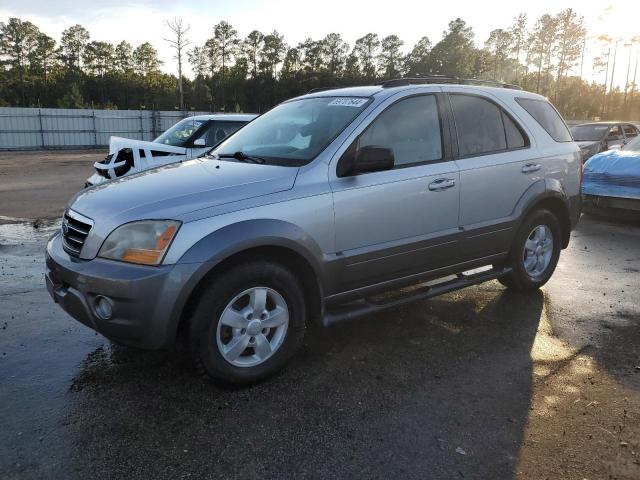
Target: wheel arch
553,198
278,242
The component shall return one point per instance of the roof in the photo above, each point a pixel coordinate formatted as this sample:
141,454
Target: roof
230,117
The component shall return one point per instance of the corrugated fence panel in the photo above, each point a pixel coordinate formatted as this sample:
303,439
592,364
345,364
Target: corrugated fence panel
42,128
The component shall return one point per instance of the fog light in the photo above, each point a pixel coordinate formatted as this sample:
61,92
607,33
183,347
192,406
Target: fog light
103,307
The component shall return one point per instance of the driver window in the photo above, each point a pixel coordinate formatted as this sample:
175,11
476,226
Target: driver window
218,131
411,128
615,133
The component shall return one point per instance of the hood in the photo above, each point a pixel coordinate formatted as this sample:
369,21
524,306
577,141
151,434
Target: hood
174,190
118,143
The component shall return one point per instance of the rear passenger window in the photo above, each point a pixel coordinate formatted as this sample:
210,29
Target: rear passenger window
548,118
478,124
411,128
615,133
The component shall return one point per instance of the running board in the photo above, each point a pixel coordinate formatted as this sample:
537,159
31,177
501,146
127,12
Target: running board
367,306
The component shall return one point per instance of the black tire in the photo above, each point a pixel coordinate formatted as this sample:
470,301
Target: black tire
519,279
204,321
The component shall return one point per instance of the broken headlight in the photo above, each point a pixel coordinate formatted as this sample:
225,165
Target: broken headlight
144,242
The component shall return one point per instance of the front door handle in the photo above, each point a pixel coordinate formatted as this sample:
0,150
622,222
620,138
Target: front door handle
531,167
442,184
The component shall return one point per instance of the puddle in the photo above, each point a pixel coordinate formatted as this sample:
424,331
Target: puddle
25,232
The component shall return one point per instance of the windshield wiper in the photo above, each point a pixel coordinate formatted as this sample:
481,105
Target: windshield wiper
243,157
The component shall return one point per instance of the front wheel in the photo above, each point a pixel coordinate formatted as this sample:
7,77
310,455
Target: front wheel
248,323
534,253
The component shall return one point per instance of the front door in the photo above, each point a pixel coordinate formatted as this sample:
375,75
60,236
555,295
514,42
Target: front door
402,221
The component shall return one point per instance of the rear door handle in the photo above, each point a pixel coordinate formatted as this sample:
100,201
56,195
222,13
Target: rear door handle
442,184
531,167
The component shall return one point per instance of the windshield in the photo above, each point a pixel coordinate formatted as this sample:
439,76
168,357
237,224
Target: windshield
293,133
633,145
180,132
589,133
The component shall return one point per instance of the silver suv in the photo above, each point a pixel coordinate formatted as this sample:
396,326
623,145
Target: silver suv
314,210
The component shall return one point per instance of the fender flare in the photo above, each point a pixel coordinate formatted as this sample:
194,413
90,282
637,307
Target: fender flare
545,190
236,238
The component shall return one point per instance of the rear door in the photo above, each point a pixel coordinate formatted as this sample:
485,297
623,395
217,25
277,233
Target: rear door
402,221
497,165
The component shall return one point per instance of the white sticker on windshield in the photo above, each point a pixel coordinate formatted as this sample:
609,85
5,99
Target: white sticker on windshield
348,102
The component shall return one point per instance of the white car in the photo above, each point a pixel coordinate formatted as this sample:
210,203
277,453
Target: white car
187,139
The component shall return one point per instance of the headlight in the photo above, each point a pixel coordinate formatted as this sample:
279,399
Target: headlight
142,242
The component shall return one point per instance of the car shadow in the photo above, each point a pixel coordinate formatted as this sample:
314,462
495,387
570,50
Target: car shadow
435,389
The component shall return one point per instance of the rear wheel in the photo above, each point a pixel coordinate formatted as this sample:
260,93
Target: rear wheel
534,253
248,323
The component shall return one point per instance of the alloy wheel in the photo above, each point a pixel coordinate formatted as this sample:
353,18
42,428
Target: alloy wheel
252,327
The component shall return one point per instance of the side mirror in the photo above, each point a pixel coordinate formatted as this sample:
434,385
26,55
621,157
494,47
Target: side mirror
200,142
372,159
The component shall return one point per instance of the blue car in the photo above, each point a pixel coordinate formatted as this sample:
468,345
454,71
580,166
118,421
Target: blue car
612,179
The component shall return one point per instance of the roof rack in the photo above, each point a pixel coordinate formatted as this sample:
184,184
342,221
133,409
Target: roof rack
401,82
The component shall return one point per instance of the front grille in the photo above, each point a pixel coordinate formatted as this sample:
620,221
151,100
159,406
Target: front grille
74,232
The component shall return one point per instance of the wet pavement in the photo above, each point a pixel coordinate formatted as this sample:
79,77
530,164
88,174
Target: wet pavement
480,383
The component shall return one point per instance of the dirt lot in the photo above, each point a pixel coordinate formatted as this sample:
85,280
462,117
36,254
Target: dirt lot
480,383
39,184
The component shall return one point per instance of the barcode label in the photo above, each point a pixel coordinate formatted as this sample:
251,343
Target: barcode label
348,102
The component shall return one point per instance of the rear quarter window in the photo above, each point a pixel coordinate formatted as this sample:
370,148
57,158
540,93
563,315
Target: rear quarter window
548,117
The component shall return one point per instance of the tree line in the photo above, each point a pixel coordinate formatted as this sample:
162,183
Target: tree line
252,74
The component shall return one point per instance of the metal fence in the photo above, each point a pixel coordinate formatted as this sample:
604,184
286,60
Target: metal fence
59,128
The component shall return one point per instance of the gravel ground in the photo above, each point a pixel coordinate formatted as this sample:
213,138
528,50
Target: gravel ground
39,184
480,383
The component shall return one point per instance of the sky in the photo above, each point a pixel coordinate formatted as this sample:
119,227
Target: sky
137,21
